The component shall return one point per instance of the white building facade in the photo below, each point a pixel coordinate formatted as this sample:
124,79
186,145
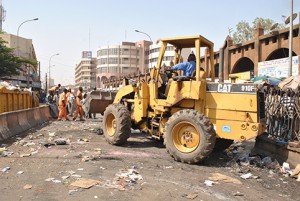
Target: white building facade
117,61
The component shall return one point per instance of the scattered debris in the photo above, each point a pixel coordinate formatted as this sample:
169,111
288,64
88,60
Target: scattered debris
246,176
56,181
50,179
83,140
27,186
209,183
226,179
52,134
99,131
3,149
238,194
65,177
25,155
5,169
190,196
6,153
20,172
285,167
85,183
46,144
76,175
60,141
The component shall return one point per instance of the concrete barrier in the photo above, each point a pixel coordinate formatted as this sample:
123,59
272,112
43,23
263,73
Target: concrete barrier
16,122
4,131
13,121
281,152
23,121
30,118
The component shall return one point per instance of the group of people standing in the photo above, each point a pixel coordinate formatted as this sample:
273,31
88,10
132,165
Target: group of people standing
67,99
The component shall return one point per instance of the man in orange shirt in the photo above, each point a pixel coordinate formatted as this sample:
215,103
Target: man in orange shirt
62,105
79,109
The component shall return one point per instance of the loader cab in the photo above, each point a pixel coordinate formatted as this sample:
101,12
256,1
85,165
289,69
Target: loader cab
180,87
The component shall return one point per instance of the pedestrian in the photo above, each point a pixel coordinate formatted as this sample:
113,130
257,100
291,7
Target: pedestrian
187,67
79,109
56,99
62,105
93,114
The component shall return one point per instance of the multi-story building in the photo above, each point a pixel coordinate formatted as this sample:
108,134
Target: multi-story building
29,75
119,60
130,59
85,72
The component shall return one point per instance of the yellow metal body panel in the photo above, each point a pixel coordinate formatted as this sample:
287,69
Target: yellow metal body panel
125,90
141,102
230,101
234,115
236,130
230,114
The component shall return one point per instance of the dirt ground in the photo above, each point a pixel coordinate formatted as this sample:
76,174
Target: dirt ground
140,170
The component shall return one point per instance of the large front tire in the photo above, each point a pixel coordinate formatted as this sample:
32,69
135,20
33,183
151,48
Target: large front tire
116,124
189,136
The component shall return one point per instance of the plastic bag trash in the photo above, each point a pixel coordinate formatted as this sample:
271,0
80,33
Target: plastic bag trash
266,161
56,181
5,169
51,134
209,183
246,176
285,167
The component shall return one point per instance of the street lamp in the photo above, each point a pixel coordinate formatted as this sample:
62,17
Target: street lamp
18,49
144,33
50,65
143,47
290,20
18,52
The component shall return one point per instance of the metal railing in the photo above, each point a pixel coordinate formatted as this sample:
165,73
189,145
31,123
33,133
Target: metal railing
282,114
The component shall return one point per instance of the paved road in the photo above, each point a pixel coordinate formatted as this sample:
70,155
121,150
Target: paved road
50,170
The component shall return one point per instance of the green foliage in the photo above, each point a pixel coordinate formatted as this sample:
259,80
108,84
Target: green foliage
245,32
9,63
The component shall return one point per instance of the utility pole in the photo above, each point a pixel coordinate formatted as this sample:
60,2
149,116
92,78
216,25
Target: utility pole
46,84
291,42
2,15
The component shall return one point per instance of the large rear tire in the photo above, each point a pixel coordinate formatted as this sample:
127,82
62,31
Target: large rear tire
189,136
116,124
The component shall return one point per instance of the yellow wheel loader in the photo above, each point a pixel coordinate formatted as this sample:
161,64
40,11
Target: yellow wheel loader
190,113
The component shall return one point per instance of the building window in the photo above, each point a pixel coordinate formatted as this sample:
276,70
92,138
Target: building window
103,52
103,61
114,51
113,60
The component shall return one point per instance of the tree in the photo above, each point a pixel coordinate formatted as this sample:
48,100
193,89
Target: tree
245,32
9,63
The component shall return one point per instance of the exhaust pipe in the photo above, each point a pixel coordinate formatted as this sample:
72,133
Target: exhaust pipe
221,64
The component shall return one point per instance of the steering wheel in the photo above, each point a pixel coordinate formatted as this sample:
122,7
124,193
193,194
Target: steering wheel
170,73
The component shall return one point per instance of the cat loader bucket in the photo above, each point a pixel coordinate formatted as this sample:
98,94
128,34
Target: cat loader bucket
97,101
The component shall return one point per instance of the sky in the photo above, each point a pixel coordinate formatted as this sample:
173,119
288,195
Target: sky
69,27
